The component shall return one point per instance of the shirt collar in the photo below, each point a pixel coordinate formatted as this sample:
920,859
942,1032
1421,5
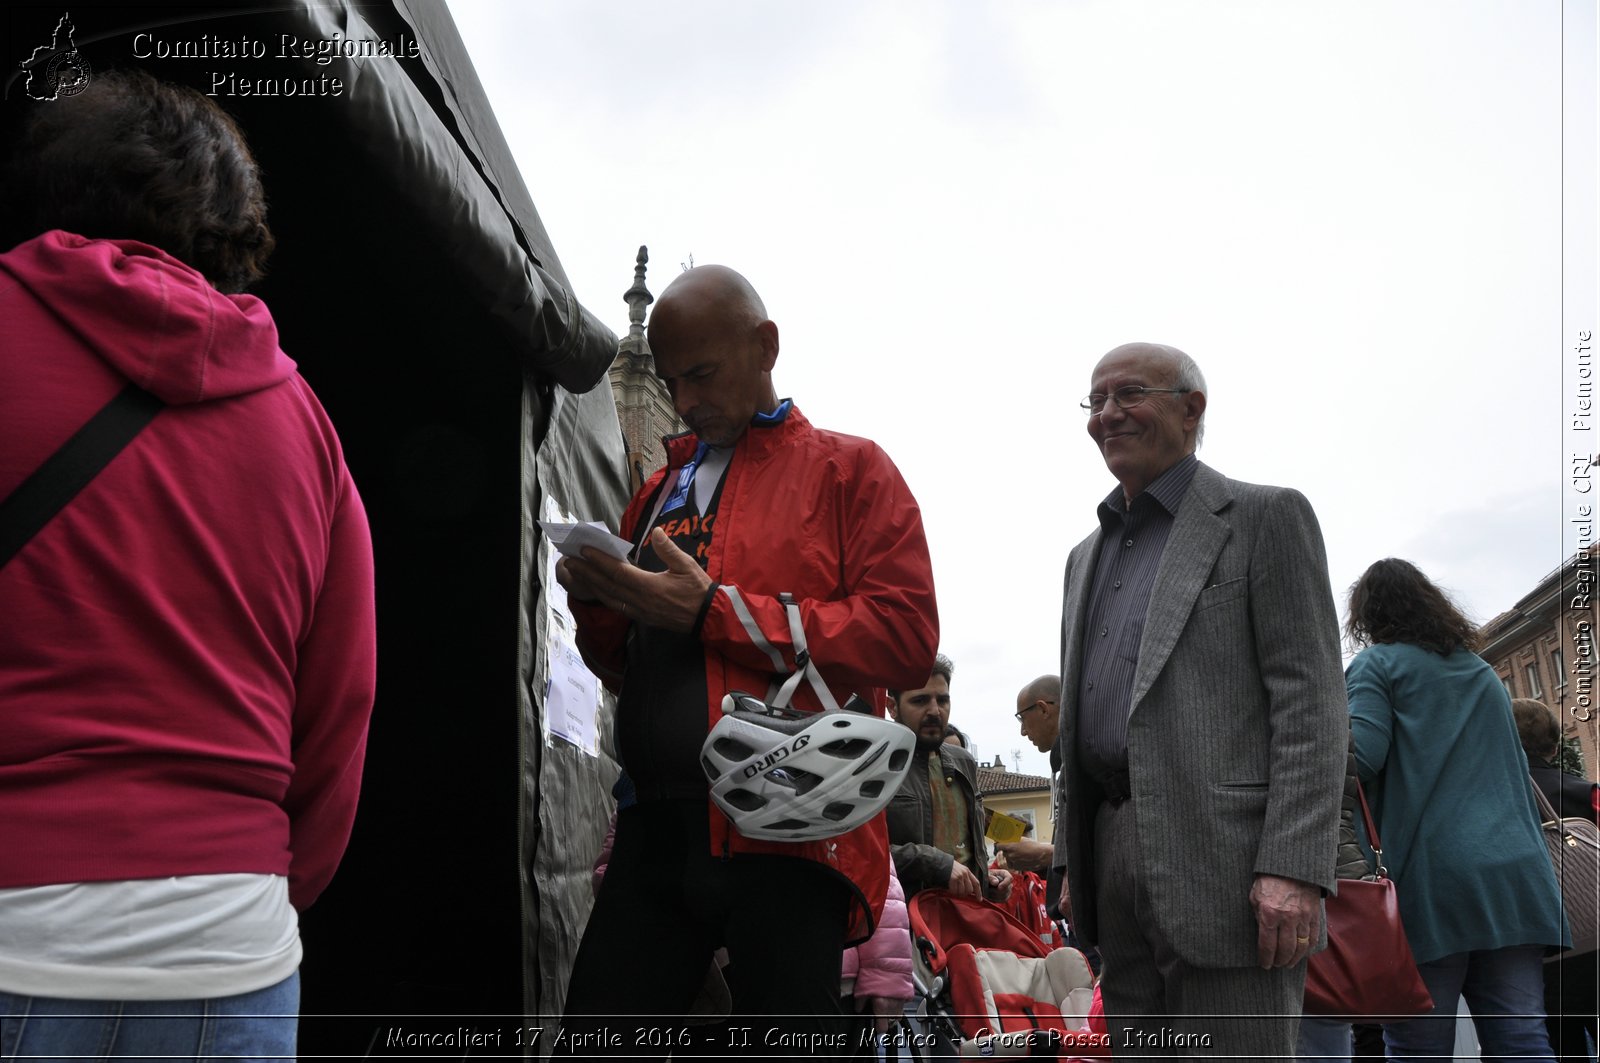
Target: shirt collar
685,446
767,420
1166,490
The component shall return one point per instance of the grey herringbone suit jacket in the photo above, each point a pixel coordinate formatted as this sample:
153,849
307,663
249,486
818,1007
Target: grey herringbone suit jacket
1238,727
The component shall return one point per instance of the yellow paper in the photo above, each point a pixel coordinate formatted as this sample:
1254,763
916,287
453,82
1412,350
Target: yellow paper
1004,828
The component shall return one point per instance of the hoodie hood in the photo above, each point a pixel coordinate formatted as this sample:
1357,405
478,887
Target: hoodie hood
152,318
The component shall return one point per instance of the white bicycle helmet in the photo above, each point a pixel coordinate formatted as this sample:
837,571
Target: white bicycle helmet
788,776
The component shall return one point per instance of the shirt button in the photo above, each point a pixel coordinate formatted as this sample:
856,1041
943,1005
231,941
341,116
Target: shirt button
1102,632
1117,586
1089,686
1127,542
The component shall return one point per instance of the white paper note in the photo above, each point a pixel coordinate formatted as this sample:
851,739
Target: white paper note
570,539
571,698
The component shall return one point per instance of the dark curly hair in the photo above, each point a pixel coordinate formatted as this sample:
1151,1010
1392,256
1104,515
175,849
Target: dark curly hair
133,158
1394,602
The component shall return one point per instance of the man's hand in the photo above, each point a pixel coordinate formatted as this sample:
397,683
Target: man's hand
885,1010
1027,854
574,575
1288,919
963,883
1000,883
670,600
1064,902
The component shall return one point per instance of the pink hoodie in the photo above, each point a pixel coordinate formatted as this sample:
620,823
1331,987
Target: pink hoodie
881,965
188,663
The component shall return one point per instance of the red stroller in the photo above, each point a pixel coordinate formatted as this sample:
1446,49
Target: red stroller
990,987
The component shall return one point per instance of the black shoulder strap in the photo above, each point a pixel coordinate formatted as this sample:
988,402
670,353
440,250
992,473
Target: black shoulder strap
67,471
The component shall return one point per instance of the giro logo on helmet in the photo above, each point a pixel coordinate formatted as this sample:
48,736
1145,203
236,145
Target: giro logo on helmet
752,770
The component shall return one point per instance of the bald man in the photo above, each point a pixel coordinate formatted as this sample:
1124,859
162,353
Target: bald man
754,503
1203,729
1039,717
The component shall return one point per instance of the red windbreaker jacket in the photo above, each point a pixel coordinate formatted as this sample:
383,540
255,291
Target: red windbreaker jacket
826,518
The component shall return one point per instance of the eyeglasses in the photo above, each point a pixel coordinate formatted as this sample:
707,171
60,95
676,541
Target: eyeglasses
1020,713
1127,398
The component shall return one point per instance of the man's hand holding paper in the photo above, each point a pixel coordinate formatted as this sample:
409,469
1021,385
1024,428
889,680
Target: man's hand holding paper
671,600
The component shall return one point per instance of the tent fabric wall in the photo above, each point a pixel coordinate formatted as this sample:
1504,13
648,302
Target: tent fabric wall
418,291
565,791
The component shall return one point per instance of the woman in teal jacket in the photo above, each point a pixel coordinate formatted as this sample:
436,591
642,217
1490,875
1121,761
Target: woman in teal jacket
1438,750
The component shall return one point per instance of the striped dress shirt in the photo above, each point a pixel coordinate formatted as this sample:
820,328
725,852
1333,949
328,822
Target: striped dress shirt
1132,539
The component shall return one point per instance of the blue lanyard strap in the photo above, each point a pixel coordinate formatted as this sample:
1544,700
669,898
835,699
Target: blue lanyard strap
680,491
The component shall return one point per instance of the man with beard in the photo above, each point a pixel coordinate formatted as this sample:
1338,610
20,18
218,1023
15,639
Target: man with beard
936,819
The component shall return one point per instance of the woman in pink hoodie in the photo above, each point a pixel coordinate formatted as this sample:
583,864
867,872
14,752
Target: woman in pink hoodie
188,664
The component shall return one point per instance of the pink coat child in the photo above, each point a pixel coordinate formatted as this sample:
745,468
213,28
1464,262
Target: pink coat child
878,971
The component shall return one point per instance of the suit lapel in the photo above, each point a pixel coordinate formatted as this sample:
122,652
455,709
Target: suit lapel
1198,535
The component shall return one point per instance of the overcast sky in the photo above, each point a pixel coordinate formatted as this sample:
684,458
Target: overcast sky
1349,214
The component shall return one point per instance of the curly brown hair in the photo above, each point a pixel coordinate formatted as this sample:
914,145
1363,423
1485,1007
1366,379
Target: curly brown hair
1394,602
134,158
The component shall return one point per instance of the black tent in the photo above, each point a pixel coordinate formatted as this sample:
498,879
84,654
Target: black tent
418,290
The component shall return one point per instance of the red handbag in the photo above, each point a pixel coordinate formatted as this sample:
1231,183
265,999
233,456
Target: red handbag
1367,969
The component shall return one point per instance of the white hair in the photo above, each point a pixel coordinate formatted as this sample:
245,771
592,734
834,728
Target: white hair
1187,375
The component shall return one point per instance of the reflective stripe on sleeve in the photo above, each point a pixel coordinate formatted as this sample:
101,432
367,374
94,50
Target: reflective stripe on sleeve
757,637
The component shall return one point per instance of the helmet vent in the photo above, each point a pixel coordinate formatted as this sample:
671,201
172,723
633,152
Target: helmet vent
871,788
877,754
788,825
733,749
838,810
798,780
897,759
745,800
846,748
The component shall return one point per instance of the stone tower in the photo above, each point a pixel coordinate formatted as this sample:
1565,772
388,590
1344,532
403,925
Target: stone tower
644,408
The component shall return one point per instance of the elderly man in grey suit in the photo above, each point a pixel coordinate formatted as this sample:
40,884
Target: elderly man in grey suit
1203,730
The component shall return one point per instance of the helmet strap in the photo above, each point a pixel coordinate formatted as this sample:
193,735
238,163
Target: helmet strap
805,667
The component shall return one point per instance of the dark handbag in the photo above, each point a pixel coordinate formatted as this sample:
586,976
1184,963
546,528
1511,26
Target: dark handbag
1367,969
1574,846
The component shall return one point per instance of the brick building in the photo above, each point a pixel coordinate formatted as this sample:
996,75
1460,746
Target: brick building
1544,648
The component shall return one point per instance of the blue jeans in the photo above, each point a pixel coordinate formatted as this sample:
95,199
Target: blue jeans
1323,1038
1504,989
251,1026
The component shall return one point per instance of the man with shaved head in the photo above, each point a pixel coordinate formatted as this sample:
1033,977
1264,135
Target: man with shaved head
766,549
1202,733
1039,717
